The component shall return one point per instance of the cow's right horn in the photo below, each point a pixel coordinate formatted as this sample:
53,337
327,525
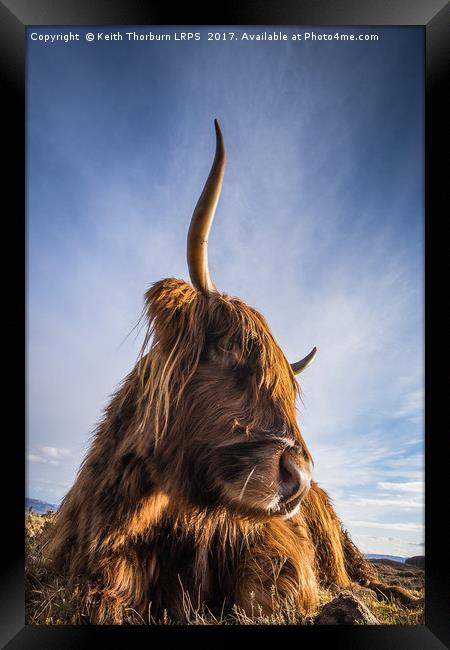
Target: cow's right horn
197,239
299,366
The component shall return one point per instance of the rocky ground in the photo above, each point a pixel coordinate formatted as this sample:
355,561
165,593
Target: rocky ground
401,575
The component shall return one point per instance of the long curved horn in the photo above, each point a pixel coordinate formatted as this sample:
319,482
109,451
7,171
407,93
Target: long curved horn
304,363
197,239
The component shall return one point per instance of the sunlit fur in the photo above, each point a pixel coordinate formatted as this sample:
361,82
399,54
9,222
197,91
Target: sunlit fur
178,493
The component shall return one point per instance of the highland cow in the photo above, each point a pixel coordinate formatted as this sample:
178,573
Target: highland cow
198,481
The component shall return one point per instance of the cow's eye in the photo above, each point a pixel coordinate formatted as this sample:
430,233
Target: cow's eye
243,372
226,348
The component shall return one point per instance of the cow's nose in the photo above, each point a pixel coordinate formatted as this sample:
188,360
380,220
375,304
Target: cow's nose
294,481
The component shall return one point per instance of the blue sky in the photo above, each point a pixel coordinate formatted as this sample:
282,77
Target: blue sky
319,226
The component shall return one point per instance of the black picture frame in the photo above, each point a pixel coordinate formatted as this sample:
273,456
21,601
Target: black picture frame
434,16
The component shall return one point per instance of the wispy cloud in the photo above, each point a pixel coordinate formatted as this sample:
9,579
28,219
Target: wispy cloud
35,458
398,540
408,526
414,486
412,406
55,452
50,455
397,504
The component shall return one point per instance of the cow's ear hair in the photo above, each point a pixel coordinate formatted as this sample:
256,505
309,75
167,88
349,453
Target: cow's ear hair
166,298
174,313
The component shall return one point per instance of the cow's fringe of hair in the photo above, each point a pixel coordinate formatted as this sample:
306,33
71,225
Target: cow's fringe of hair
178,319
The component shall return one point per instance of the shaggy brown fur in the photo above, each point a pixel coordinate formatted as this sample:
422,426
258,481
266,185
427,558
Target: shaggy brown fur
177,498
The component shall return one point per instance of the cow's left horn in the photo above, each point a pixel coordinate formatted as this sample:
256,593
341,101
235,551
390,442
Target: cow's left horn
299,366
197,240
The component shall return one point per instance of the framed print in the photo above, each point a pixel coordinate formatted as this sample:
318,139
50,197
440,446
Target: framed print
210,206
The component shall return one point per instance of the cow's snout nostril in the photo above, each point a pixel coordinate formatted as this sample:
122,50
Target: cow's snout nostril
293,482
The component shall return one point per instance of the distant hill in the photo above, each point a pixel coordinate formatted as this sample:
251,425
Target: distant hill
375,556
416,560
41,507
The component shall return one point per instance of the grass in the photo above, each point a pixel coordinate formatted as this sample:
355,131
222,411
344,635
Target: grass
51,600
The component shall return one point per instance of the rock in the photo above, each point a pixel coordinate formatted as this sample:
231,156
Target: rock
363,591
345,609
416,560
